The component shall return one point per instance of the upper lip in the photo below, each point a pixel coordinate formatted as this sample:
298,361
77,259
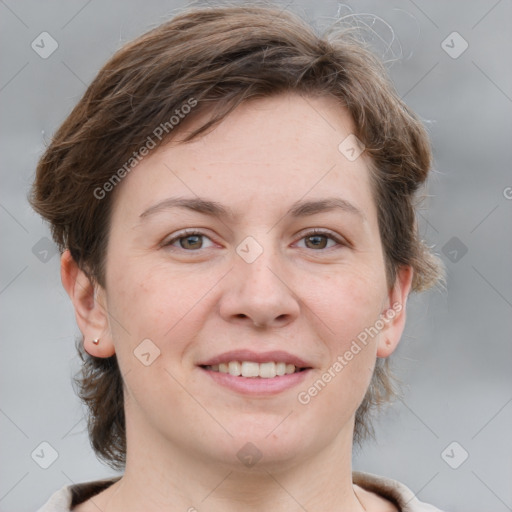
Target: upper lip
277,356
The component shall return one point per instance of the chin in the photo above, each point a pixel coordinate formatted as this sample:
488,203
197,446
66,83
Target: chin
263,444
249,456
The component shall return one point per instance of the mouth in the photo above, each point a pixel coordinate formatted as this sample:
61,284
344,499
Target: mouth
252,369
256,374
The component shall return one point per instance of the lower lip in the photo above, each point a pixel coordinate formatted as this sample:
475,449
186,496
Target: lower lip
257,385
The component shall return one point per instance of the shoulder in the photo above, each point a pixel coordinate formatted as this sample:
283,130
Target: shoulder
60,501
395,492
67,498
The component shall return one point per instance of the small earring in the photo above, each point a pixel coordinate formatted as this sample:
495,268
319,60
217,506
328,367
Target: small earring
96,341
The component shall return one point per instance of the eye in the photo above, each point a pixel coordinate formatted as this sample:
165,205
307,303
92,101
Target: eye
318,239
189,240
192,240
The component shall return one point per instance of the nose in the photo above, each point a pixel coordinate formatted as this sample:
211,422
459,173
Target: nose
259,294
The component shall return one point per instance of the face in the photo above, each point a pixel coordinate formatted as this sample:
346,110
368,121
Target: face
271,255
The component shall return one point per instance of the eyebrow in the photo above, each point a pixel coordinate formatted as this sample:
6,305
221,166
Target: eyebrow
215,209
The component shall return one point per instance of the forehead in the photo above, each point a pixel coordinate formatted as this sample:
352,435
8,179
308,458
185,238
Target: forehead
268,153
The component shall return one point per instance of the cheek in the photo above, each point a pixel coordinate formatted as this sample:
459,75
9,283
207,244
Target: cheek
152,302
150,314
142,294
347,302
348,310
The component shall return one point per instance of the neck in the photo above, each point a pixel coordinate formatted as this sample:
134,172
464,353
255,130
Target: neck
176,479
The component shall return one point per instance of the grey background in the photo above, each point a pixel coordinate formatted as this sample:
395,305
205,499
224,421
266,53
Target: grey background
456,354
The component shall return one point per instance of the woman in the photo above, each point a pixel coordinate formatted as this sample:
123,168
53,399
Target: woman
234,202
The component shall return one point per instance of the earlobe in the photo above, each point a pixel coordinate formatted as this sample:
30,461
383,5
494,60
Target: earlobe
90,307
393,317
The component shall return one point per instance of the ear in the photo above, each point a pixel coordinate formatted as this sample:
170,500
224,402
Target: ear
90,306
393,315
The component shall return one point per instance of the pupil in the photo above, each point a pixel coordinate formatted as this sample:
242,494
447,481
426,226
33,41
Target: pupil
195,240
317,242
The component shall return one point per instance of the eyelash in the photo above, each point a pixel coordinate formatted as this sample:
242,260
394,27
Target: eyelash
314,232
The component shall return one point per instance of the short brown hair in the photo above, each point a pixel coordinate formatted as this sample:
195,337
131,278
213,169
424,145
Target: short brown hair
221,57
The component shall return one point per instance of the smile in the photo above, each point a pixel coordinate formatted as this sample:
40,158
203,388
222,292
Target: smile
251,369
248,381
257,374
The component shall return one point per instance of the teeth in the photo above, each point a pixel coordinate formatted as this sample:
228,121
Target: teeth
235,368
268,370
251,369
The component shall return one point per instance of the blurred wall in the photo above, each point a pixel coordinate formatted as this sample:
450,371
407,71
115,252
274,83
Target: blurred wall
449,439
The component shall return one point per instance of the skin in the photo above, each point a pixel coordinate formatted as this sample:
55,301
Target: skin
198,300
